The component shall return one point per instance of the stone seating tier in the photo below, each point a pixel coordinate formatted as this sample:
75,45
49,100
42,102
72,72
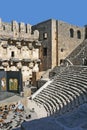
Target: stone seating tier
67,91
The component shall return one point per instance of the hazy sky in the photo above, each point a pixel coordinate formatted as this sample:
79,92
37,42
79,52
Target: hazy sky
34,11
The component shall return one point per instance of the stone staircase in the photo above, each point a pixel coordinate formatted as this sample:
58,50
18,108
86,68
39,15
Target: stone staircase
77,55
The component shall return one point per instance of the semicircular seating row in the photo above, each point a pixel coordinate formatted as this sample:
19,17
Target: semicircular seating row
67,91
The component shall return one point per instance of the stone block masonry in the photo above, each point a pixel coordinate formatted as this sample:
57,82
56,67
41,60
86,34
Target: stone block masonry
39,47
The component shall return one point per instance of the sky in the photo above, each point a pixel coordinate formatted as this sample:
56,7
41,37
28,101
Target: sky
36,11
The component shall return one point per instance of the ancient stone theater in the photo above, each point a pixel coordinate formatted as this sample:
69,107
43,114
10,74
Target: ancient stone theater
50,59
38,48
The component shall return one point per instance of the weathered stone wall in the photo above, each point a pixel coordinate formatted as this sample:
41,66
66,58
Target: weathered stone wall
67,44
54,43
45,36
37,48
59,43
19,48
15,27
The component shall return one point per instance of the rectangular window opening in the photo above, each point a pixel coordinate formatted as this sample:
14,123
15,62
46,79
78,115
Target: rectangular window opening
45,51
45,35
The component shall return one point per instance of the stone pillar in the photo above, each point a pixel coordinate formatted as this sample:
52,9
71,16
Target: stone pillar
15,26
36,33
36,68
19,65
0,24
28,28
22,27
41,57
